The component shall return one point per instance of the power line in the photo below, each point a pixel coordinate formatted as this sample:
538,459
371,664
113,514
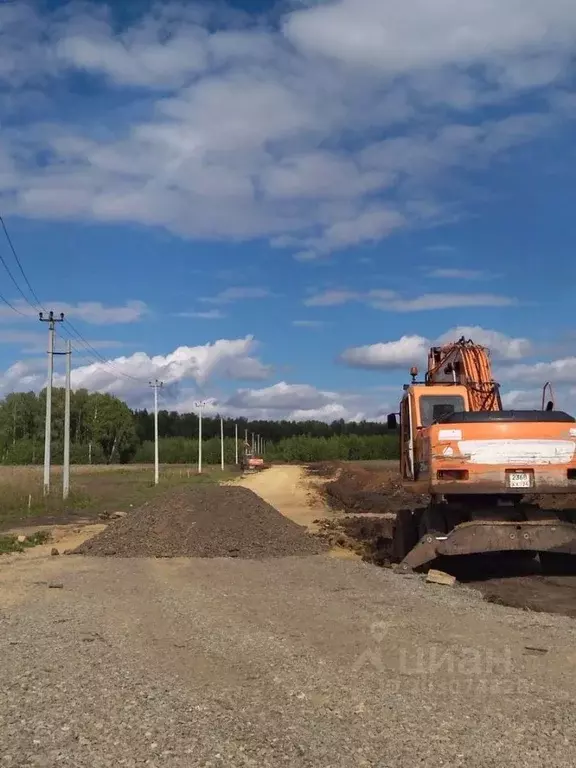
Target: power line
12,307
16,284
20,267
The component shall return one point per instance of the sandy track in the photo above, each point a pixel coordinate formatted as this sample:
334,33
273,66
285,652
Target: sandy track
291,491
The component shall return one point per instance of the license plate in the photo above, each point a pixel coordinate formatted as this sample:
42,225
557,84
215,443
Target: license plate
519,480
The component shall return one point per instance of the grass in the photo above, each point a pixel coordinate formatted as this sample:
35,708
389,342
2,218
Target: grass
93,490
9,543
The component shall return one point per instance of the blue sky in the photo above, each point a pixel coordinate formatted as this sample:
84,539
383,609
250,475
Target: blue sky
280,206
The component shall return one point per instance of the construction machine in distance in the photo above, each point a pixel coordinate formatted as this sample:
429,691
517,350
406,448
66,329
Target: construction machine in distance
483,467
250,462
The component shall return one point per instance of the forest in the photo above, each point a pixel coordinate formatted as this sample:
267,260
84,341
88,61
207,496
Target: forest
104,430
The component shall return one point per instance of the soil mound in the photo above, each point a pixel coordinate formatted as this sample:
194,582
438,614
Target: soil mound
204,521
358,490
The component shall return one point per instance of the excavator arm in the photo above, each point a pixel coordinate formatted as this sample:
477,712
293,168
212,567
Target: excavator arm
467,364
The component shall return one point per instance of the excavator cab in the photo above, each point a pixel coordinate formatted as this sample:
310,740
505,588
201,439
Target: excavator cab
483,467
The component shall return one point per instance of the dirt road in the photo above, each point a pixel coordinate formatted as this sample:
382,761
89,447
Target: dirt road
292,492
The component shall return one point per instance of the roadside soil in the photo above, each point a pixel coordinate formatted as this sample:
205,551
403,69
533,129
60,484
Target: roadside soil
368,501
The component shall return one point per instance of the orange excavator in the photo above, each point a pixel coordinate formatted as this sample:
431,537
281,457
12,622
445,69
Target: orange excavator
483,466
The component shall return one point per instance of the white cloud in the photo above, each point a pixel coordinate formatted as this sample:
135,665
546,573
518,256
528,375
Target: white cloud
557,371
502,346
308,323
530,36
92,312
522,399
446,301
128,376
391,301
458,274
406,351
412,350
211,314
300,402
228,295
281,396
235,128
331,298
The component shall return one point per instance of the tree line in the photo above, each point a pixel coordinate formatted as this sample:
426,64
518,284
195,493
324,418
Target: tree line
105,430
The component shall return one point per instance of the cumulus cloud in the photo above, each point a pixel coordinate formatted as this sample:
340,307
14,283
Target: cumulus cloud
561,371
406,351
282,396
413,350
532,37
127,376
330,125
520,398
391,301
93,312
300,402
501,346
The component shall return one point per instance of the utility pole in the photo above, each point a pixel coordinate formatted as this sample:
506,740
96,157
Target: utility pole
236,442
156,385
200,405
66,470
222,443
51,320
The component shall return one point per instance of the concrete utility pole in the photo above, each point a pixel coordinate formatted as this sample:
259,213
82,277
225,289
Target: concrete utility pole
156,385
222,443
51,320
200,405
66,470
236,442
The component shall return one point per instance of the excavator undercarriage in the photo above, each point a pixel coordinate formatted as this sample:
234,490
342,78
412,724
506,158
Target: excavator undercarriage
423,535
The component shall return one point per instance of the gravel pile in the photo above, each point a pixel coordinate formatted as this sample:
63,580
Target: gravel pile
204,521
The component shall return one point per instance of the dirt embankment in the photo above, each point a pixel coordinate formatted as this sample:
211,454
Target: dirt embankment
368,500
204,521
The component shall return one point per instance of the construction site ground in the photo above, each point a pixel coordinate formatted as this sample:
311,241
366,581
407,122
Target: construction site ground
301,660
368,497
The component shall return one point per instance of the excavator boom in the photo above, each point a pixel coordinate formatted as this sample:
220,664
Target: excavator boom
468,364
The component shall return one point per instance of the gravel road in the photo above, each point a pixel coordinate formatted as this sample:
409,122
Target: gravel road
300,661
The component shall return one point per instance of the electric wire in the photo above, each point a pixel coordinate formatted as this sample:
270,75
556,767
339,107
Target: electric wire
70,329
20,267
